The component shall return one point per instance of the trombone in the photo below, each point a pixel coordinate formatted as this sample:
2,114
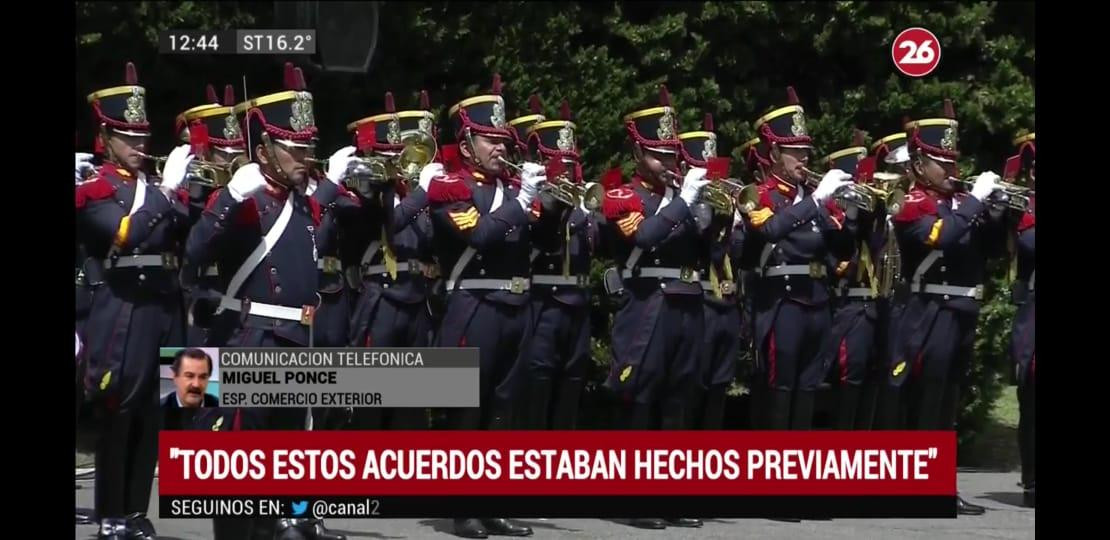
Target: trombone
589,195
201,172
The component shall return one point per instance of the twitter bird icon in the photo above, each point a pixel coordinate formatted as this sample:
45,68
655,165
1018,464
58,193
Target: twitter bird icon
299,508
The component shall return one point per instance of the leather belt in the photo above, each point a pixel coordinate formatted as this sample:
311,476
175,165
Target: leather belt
165,260
582,280
302,315
975,292
688,275
727,287
813,270
516,285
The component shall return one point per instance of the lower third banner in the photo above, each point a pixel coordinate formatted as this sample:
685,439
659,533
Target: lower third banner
558,474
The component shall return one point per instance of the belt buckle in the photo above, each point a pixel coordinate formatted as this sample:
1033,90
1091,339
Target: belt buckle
169,261
686,275
516,285
430,270
979,292
727,287
582,280
816,269
331,265
307,314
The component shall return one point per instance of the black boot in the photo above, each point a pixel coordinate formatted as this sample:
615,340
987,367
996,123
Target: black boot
315,530
648,523
675,414
965,508
567,398
847,404
139,527
1027,435
233,529
285,529
778,409
1029,496
888,411
537,404
713,414
504,527
865,415
470,528
692,523
801,418
112,529
927,409
85,516
635,417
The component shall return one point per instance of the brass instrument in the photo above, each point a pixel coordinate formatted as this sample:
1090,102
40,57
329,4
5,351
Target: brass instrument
569,193
890,262
1012,196
891,192
205,173
727,195
365,172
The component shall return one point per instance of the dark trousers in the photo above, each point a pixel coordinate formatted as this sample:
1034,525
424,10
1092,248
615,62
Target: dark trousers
129,330
853,366
933,390
559,352
720,353
793,352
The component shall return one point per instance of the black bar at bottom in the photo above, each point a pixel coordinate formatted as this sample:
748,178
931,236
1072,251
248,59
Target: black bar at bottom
713,506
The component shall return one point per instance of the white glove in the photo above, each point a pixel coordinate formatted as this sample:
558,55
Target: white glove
430,171
173,173
832,181
246,182
532,175
81,166
692,184
338,162
985,184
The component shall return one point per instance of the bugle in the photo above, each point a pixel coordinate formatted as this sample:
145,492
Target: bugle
727,195
1012,196
205,173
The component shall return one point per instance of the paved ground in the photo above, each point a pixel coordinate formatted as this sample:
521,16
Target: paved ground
997,491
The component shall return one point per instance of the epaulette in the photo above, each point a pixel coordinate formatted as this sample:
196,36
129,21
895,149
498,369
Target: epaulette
1028,221
918,204
93,190
620,201
447,189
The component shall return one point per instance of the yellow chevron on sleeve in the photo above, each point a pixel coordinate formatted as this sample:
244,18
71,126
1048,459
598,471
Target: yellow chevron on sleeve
465,220
934,234
630,223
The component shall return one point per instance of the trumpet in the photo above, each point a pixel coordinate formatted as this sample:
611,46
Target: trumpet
588,195
1011,196
205,173
363,172
726,195
891,192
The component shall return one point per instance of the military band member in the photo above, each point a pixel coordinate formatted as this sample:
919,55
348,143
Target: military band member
856,311
657,329
391,251
481,240
721,334
565,236
942,236
215,136
261,231
793,229
131,230
521,127
1023,344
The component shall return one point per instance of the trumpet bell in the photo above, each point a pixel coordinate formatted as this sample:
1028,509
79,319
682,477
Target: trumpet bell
420,149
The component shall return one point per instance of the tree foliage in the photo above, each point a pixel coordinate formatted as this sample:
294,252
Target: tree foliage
731,59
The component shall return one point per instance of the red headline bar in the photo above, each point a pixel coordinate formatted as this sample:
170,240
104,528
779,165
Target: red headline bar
557,463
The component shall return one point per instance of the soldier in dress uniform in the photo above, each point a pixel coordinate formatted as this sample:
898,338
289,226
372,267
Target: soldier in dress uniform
794,228
481,240
565,237
658,326
261,231
1023,344
721,344
390,253
131,230
943,238
856,308
214,134
521,127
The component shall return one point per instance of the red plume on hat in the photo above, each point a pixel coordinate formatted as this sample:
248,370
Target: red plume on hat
949,110
564,110
792,96
290,77
707,123
365,136
857,137
210,94
229,95
300,79
495,88
390,106
129,75
425,103
534,104
664,96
